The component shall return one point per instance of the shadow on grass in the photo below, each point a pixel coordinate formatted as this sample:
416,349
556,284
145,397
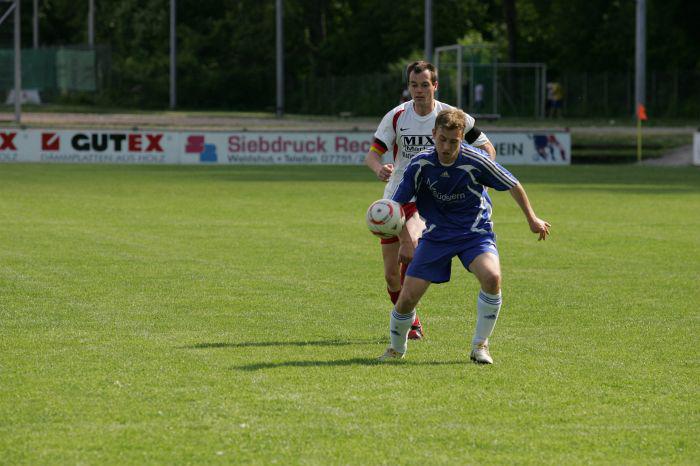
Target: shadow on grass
344,362
369,361
262,344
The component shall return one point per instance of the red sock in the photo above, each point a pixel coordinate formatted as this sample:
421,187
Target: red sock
393,295
416,323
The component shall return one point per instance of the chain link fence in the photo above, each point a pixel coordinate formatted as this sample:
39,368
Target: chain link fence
58,71
357,95
519,92
669,94
86,75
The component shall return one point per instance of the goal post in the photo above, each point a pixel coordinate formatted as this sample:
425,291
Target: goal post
472,78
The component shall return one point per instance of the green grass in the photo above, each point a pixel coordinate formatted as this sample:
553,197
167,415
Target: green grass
202,315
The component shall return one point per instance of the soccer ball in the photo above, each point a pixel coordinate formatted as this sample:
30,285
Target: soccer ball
385,218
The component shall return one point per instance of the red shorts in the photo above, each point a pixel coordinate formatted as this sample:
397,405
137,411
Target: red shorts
408,210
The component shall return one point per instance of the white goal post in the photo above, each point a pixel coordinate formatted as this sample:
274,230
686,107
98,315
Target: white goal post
472,78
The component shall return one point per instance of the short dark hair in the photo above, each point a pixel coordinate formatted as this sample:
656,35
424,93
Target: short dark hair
420,66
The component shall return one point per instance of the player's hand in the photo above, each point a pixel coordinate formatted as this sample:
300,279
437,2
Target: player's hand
406,249
385,172
541,227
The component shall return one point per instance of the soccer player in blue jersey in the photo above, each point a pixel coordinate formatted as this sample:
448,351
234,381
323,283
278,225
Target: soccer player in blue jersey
449,183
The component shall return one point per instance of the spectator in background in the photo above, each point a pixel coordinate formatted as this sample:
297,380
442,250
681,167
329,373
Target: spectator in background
555,95
478,98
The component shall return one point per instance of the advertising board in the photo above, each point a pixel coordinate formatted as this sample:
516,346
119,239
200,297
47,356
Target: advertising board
244,147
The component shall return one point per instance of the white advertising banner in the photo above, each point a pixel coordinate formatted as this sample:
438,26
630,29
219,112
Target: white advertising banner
246,147
267,148
539,148
696,149
88,146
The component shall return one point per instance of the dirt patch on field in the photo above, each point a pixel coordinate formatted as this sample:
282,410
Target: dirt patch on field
681,156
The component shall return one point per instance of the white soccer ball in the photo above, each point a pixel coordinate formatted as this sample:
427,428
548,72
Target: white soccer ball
385,218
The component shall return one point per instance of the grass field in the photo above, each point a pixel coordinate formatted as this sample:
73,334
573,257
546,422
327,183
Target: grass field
202,315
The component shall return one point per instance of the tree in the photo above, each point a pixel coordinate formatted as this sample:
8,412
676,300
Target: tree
510,18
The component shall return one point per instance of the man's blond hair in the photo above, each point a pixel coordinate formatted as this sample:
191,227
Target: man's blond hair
451,119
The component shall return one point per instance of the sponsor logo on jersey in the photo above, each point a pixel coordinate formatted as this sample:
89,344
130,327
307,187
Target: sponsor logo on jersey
432,186
415,143
417,140
445,175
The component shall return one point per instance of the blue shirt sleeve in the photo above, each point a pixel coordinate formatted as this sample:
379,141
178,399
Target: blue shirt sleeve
490,173
407,188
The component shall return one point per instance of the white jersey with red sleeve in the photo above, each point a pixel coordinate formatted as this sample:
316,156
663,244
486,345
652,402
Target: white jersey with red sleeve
403,133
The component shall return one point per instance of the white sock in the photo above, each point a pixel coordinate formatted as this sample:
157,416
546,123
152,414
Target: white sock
399,325
487,307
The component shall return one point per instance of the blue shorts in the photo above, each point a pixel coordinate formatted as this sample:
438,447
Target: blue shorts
432,260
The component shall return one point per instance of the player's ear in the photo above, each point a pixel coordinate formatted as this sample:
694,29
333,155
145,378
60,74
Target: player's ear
436,85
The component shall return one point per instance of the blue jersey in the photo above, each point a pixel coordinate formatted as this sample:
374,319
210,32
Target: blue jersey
452,199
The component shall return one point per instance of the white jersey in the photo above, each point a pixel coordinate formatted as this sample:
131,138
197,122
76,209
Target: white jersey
406,134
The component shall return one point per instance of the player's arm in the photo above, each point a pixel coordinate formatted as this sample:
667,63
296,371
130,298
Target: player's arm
373,160
489,149
404,193
384,140
492,174
406,245
537,225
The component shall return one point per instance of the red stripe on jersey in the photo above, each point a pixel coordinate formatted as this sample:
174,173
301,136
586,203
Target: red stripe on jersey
396,119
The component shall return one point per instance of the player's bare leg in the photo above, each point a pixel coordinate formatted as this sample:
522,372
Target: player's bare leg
413,290
392,274
487,269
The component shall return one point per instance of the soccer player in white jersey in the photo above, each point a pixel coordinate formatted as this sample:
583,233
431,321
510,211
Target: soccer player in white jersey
406,131
448,183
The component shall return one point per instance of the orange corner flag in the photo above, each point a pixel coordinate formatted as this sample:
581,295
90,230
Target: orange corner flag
641,112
